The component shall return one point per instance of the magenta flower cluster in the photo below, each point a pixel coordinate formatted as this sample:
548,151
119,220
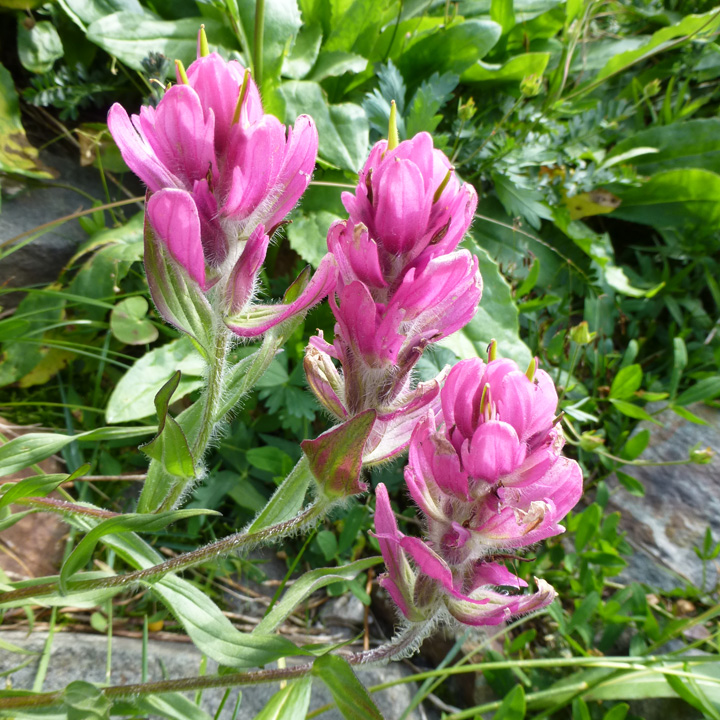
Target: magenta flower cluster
222,175
488,475
485,465
401,285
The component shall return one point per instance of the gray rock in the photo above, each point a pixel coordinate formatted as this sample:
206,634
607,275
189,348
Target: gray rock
680,502
76,656
41,261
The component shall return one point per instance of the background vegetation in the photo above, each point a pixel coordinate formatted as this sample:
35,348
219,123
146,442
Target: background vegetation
589,129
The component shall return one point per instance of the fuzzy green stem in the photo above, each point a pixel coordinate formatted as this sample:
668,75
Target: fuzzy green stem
180,562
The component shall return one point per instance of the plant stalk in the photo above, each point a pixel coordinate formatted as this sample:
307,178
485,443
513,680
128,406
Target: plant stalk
180,562
259,37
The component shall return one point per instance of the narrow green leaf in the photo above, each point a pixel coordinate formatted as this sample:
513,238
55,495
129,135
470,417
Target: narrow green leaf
707,389
633,411
349,694
32,448
306,585
130,522
288,703
631,484
636,444
170,446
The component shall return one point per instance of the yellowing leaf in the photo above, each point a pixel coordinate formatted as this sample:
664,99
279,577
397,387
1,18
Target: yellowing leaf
54,360
17,155
595,202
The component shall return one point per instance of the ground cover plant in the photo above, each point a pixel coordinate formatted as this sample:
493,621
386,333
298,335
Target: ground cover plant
555,162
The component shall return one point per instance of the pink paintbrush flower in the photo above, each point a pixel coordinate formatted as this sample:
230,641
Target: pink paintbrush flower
401,285
222,176
493,475
424,585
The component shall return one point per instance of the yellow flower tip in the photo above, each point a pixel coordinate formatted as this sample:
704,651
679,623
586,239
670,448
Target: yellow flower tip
203,47
393,137
492,350
443,184
241,97
181,74
532,367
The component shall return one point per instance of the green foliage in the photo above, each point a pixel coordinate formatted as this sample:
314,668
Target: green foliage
590,133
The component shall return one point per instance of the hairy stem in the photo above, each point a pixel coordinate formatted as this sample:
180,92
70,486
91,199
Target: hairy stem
180,562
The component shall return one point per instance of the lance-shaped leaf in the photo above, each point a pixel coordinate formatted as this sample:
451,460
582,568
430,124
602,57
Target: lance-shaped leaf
289,702
130,522
336,456
37,486
349,694
170,446
178,298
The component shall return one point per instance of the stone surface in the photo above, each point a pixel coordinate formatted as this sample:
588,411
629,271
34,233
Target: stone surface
41,261
680,502
77,656
34,546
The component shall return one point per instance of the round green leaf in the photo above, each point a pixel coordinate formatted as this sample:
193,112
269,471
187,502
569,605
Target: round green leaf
129,323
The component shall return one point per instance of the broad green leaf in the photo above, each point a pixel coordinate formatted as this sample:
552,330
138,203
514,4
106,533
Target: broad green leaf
354,24
696,26
343,129
703,390
450,49
626,382
334,64
32,448
633,411
690,144
282,22
513,705
131,37
688,199
636,444
84,701
307,235
17,155
129,522
288,703
619,712
211,632
134,395
588,525
270,459
170,446
503,13
496,317
85,12
304,53
511,71
306,585
39,46
129,322
349,694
